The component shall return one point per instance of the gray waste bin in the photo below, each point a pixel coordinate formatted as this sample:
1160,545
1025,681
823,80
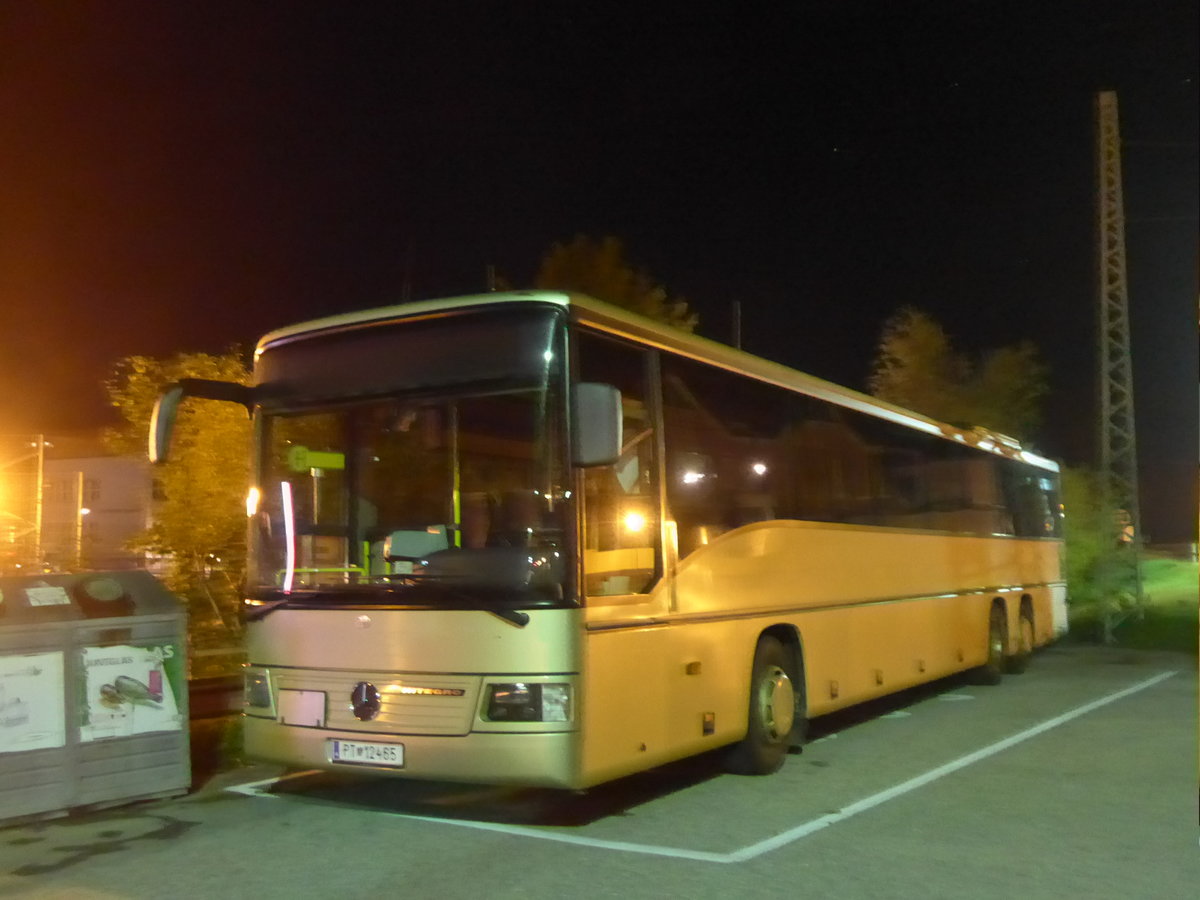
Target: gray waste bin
93,692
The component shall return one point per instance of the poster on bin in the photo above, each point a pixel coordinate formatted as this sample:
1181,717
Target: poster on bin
130,690
32,702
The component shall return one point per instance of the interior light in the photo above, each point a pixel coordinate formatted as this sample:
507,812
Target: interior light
634,521
759,468
289,529
692,477
252,498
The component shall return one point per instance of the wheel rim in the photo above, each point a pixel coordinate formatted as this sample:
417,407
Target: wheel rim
776,703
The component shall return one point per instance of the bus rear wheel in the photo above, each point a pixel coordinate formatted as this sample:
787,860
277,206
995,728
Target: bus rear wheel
773,713
1019,661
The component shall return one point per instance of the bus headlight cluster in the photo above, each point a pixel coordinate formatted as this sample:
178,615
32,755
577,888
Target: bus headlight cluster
528,702
256,692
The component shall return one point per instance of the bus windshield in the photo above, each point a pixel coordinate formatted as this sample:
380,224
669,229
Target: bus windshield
449,501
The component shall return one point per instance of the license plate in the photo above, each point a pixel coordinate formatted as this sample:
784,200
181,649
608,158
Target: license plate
367,753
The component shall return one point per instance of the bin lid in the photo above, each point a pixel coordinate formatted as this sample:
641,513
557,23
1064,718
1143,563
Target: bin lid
87,595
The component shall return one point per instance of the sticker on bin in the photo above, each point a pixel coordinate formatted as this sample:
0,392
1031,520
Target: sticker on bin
366,753
49,595
127,689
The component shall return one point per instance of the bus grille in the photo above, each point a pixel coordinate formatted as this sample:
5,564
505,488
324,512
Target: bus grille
409,703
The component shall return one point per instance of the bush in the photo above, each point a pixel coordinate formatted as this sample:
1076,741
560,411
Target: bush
1168,619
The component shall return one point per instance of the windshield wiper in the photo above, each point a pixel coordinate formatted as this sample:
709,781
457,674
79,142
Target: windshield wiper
262,610
518,618
515,616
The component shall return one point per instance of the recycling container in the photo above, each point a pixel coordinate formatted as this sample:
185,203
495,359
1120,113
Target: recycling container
93,692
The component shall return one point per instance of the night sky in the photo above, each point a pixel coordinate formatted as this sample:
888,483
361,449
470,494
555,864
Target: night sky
188,176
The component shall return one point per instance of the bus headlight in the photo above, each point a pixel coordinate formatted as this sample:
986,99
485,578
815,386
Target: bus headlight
256,692
528,702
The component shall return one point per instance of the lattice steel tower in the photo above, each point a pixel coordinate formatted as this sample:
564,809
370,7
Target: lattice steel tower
1117,442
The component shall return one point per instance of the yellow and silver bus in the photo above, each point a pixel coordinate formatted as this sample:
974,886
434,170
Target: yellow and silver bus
532,538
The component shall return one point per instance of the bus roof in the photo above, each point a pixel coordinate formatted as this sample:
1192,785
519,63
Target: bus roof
615,320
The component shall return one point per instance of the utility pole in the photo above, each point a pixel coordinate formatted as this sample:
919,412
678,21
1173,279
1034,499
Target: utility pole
22,461
39,502
406,283
80,512
1117,440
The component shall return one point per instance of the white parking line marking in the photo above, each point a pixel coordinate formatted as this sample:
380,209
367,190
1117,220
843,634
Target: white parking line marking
802,831
650,849
258,789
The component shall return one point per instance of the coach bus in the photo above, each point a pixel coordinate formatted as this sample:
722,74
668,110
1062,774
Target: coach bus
532,538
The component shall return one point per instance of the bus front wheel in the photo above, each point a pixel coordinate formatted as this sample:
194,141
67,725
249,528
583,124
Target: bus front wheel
773,713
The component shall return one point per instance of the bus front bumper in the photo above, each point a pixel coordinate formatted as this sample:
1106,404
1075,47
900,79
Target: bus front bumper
530,759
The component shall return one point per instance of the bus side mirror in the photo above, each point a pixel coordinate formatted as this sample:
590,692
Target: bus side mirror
162,420
596,411
162,423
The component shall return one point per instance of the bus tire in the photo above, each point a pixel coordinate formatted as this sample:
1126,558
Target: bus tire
997,639
773,712
1019,661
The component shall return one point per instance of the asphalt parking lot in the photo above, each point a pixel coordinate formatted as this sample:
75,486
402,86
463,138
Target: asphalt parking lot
1076,779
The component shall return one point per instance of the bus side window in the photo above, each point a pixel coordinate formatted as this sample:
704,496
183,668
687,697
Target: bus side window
728,451
621,536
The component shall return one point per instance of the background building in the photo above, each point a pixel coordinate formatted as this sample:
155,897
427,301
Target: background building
91,504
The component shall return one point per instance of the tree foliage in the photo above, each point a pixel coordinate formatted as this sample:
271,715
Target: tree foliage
599,269
917,366
1099,571
199,520
1087,530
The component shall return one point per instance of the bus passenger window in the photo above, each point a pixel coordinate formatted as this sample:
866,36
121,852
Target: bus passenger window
729,452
